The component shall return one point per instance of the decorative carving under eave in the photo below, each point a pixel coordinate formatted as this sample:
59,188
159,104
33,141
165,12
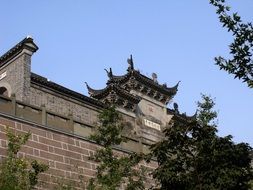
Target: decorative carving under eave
149,91
129,105
133,80
156,95
161,98
114,94
137,85
120,102
125,103
142,88
133,107
167,100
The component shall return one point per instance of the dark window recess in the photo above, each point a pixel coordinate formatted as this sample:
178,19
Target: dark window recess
3,91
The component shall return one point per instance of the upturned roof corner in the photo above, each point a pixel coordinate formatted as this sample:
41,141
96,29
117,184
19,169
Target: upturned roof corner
134,80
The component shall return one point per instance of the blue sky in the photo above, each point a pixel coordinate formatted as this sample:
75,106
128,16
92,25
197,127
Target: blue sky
175,39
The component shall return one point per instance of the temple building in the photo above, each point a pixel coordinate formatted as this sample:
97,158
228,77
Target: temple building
60,118
142,100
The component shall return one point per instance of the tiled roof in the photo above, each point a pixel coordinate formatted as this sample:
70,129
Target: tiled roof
17,49
145,80
42,81
182,116
99,94
161,88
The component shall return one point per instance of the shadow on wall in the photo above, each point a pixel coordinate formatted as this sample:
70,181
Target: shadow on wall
3,91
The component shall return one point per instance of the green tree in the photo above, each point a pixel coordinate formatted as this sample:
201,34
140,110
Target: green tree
241,49
71,183
114,171
192,156
17,173
251,184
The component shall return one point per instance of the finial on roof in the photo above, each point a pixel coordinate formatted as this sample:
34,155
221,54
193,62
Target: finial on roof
175,105
178,84
29,36
90,90
175,88
154,77
87,85
109,73
130,63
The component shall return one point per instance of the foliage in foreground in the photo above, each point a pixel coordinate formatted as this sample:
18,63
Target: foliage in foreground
114,171
193,157
241,49
17,173
71,183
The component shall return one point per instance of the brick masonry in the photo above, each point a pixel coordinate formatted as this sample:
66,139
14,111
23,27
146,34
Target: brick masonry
60,122
23,86
67,155
62,105
18,76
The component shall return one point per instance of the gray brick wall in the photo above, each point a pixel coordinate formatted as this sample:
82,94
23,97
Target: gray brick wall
18,72
62,105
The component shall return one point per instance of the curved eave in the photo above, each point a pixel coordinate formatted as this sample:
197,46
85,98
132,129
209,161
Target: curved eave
126,95
99,94
188,118
145,80
92,92
193,117
120,79
160,88
182,117
17,49
102,94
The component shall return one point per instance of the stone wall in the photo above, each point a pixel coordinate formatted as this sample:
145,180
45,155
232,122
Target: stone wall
84,113
42,116
67,154
62,105
17,79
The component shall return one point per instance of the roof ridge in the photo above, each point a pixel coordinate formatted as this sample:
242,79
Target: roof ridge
17,49
49,84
